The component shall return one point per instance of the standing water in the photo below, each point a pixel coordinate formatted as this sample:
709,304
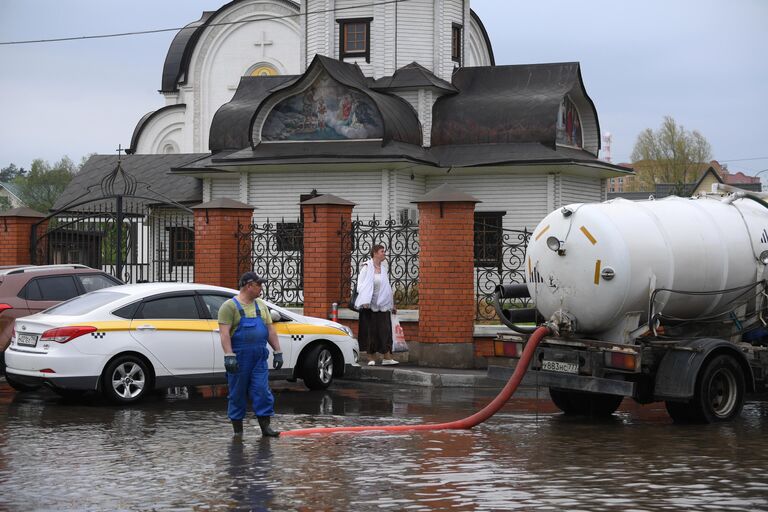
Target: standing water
176,452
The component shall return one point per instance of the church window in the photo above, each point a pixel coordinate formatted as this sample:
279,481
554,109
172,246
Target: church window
488,237
456,43
262,70
181,245
355,38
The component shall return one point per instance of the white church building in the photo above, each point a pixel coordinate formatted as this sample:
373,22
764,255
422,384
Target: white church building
377,102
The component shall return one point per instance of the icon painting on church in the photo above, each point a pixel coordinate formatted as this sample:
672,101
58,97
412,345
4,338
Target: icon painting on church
325,111
568,124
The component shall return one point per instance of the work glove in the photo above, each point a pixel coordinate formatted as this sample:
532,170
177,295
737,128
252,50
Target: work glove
277,360
230,363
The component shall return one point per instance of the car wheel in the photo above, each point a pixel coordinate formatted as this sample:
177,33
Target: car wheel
581,403
126,380
317,370
18,386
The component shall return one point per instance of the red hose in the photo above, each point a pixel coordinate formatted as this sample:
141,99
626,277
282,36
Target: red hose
468,422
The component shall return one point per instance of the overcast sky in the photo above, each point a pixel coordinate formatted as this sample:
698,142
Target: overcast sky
703,62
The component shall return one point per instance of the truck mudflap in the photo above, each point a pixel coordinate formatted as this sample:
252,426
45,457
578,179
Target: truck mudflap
678,370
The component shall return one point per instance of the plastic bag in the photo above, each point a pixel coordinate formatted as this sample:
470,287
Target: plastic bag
398,336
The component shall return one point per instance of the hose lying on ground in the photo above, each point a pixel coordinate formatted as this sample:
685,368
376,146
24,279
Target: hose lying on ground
466,423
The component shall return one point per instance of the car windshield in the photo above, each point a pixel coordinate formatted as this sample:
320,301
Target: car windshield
84,303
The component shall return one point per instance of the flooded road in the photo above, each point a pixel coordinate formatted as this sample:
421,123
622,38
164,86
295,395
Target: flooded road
176,452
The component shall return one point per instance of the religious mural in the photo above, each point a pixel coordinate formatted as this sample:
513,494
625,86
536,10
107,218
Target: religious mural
325,111
568,124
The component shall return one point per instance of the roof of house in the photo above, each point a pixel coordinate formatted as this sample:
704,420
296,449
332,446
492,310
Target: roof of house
12,189
503,104
154,184
412,76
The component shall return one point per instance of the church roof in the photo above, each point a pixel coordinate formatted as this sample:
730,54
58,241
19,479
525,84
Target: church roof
144,121
503,104
336,152
412,76
154,183
231,125
183,46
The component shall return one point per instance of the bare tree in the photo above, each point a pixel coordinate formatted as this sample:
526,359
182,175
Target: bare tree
671,154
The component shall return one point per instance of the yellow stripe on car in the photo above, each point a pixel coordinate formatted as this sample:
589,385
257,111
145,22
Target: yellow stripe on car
315,329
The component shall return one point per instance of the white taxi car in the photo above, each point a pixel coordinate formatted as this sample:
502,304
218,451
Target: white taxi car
127,340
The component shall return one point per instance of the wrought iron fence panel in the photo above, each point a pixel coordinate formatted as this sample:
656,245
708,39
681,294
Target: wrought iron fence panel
401,240
123,236
275,251
499,259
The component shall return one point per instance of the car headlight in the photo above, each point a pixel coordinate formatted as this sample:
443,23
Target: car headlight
346,330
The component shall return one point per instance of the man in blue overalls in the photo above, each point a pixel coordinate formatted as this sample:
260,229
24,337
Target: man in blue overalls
245,327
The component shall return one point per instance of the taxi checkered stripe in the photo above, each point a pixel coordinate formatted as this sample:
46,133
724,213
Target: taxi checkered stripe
297,337
98,335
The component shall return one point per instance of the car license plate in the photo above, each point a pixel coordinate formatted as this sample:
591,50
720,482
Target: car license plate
28,340
558,366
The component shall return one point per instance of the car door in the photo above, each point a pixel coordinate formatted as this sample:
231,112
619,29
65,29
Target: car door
172,327
214,301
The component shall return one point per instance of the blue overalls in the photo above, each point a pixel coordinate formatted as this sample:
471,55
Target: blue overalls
249,343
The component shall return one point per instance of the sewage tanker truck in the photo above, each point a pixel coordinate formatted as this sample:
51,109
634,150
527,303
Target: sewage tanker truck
654,300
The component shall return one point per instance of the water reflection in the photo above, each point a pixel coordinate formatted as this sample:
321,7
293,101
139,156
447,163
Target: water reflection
175,451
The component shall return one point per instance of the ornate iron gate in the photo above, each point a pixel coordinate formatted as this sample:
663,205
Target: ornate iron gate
275,251
401,240
135,238
499,259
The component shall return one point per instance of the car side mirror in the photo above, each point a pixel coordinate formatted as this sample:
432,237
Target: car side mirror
276,317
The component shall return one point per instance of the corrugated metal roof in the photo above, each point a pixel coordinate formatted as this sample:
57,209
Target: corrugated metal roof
412,76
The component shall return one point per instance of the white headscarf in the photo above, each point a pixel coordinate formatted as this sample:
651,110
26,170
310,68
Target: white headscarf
385,301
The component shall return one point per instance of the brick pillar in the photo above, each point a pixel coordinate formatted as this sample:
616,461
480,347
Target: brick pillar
216,244
15,233
446,280
323,255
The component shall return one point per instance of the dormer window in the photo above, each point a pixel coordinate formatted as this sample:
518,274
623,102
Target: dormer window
456,43
355,38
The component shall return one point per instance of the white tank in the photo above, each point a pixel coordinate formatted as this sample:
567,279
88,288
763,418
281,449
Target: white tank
612,255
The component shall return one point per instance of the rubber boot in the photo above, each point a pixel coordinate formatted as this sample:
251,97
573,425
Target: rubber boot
266,430
237,426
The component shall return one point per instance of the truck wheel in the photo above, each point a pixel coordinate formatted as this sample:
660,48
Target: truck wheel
582,403
719,390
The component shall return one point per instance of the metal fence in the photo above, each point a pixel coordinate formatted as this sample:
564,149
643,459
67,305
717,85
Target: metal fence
275,251
499,259
123,236
401,241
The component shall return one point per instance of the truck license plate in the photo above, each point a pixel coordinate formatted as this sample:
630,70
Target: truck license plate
558,366
28,340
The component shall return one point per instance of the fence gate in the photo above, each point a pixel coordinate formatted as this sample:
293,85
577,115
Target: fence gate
134,238
275,251
401,240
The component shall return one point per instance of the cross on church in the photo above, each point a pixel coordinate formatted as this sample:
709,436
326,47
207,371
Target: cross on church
119,151
264,42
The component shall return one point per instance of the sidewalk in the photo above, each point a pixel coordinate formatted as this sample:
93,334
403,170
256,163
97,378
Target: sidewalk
424,376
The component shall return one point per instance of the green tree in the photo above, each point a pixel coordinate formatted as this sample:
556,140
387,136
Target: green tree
10,173
44,183
671,154
5,204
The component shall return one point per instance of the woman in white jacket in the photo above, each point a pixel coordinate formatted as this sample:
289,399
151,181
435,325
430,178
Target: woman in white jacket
375,304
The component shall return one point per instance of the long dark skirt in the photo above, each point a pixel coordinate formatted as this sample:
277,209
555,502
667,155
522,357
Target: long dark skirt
375,331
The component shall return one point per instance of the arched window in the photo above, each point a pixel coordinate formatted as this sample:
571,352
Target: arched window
569,124
262,69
